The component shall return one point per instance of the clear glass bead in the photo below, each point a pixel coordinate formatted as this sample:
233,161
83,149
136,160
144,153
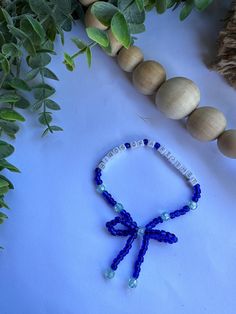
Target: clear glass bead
109,273
118,207
141,231
192,205
165,216
100,188
133,283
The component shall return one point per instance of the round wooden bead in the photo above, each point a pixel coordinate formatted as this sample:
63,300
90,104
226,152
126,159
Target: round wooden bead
114,44
148,77
177,97
87,2
206,123
90,20
227,143
129,58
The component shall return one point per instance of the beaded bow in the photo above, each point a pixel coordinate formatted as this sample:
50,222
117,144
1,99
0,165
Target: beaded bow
130,228
133,231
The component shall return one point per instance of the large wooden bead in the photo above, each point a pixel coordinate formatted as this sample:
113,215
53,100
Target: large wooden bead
177,97
129,58
87,2
90,20
114,44
148,77
206,123
227,143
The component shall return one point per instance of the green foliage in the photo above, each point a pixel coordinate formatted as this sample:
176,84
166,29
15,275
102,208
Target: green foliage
124,18
27,32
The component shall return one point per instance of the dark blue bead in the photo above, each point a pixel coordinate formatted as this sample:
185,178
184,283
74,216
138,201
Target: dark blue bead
186,208
157,145
145,141
177,213
172,215
98,181
98,170
195,199
127,145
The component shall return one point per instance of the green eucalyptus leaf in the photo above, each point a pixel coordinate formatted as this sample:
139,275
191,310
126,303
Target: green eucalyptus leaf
39,61
89,56
11,50
4,190
136,28
9,98
17,83
161,6
69,62
9,183
51,104
45,118
120,29
11,115
37,105
39,7
42,91
140,4
3,182
131,12
5,149
5,65
7,16
186,10
6,165
2,215
27,42
32,74
10,128
98,35
22,103
36,26
49,74
56,128
104,11
51,28
202,4
79,43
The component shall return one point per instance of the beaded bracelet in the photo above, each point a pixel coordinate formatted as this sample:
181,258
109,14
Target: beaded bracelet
132,229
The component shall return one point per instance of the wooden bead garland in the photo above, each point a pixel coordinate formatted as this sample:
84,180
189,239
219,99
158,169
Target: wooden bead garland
148,77
87,2
177,97
129,58
227,143
115,44
206,123
91,21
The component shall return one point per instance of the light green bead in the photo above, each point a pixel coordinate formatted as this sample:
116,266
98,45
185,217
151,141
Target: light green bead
133,283
109,273
141,231
118,207
165,216
100,188
192,205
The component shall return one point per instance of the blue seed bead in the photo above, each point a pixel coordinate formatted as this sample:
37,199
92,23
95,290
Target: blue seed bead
145,141
118,207
186,208
133,283
177,213
195,199
172,215
109,273
98,181
100,188
98,170
127,145
157,145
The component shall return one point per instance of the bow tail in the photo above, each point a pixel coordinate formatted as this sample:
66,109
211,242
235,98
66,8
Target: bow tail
140,259
123,252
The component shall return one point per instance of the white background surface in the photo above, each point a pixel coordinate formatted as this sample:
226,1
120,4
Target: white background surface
55,243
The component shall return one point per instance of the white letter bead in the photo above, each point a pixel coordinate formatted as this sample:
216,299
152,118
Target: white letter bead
172,160
188,174
162,150
101,165
105,159
177,164
151,144
134,144
193,181
183,169
110,154
122,147
140,143
116,150
167,154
